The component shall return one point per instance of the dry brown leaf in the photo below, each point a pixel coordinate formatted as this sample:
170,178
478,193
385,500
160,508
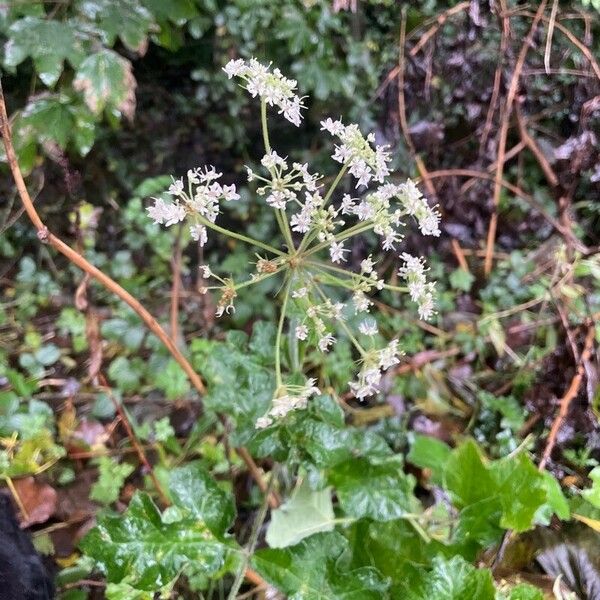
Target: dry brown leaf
37,498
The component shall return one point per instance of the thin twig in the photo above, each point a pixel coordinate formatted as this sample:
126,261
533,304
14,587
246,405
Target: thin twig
535,149
512,92
570,394
274,500
134,441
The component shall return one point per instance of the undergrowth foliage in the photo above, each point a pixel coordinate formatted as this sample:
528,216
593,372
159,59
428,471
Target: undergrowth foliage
312,225
347,499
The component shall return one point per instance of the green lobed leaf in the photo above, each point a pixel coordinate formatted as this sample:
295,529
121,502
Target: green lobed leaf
191,487
306,512
48,42
454,579
318,569
106,81
377,490
139,547
126,19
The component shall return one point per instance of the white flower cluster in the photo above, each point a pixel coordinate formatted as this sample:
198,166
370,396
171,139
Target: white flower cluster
313,224
200,200
291,397
374,364
285,184
271,86
421,291
364,162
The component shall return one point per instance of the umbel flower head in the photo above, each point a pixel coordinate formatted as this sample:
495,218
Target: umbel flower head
312,255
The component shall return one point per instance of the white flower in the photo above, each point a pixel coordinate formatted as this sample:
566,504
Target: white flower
199,234
167,214
176,188
326,341
348,206
271,86
300,292
388,356
361,302
263,422
277,199
234,68
291,397
367,383
337,251
364,162
301,332
367,265
272,159
419,289
206,272
229,193
368,328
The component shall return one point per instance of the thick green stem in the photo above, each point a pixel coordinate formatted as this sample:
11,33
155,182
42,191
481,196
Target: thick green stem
305,240
278,377
386,286
345,327
239,236
352,231
265,129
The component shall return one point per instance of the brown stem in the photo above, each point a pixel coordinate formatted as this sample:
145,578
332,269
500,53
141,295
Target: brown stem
570,394
134,441
512,92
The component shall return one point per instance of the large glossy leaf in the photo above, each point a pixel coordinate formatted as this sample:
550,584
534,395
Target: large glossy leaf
307,512
454,579
140,547
193,489
378,490
107,81
318,569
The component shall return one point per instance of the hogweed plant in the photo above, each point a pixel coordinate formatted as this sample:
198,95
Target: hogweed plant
315,229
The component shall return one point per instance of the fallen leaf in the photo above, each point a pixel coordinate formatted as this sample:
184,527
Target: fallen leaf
38,500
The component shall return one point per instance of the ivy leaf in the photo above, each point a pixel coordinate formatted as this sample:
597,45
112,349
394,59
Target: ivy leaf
139,547
106,80
521,490
307,512
466,477
395,549
429,453
48,42
318,569
455,579
377,490
124,374
238,383
112,476
192,488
